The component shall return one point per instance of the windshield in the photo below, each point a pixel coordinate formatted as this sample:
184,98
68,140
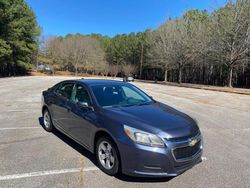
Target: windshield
120,95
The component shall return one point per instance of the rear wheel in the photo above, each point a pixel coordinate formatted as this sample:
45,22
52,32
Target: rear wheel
107,156
47,122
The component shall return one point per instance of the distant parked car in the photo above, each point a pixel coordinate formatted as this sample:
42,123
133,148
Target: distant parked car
45,68
126,129
48,69
129,78
40,67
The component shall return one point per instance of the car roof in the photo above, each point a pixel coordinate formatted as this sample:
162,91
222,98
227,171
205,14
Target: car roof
92,82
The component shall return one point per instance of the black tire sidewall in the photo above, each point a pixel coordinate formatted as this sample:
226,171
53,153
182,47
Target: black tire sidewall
50,129
115,170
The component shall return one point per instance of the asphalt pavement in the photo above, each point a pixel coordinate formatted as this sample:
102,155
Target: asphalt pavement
31,157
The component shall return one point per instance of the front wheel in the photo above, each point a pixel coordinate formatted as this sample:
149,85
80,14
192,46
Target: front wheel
107,156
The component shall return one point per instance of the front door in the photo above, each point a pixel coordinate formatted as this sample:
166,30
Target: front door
82,116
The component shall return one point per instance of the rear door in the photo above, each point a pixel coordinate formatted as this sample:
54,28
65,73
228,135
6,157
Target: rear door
61,106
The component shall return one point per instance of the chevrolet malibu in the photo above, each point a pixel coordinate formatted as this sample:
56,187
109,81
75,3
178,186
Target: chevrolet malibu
126,129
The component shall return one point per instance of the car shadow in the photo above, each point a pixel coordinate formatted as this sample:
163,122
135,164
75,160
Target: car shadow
126,178
80,149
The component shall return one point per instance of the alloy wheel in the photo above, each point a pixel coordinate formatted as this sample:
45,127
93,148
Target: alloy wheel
106,155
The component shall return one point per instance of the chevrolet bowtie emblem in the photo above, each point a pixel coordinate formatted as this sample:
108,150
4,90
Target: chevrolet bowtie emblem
192,142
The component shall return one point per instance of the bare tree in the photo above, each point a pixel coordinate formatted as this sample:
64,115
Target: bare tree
230,37
74,51
158,54
114,69
83,52
175,44
53,50
129,69
95,55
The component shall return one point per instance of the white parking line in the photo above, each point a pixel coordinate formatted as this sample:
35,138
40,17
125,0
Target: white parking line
203,158
45,173
16,128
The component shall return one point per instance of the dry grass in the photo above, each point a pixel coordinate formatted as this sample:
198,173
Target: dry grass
205,87
57,73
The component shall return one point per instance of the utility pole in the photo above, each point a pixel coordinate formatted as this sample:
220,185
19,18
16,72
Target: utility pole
141,60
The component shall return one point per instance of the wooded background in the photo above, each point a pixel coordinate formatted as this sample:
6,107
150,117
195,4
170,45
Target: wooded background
199,47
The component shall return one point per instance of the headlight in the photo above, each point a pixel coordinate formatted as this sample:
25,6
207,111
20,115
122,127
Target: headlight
142,137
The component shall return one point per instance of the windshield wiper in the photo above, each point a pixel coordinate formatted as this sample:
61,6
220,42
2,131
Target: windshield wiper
128,105
119,105
145,103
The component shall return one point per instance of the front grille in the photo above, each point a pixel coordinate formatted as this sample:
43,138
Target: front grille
186,152
183,138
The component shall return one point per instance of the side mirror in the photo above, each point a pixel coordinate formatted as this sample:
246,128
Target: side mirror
85,105
152,98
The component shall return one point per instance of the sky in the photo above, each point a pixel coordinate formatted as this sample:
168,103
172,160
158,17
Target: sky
110,17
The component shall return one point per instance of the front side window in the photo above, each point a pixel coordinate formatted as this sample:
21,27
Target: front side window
120,95
65,90
80,95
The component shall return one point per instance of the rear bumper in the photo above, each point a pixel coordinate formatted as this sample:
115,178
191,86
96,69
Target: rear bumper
145,161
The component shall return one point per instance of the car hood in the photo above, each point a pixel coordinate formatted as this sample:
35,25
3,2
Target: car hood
156,118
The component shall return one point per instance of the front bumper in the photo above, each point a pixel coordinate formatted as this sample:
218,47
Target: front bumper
145,161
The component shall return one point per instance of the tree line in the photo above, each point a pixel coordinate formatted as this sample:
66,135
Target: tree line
94,54
205,48
199,47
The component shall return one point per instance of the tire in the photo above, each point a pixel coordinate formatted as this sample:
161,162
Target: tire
47,121
106,151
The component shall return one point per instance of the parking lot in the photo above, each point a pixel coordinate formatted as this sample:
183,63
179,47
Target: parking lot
31,157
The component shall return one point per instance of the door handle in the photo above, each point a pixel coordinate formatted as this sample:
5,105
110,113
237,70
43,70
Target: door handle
87,118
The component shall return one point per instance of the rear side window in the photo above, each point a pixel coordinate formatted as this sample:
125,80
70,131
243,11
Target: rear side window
65,90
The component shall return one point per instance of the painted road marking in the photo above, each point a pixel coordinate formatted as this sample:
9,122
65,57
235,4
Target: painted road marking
203,158
16,128
45,173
